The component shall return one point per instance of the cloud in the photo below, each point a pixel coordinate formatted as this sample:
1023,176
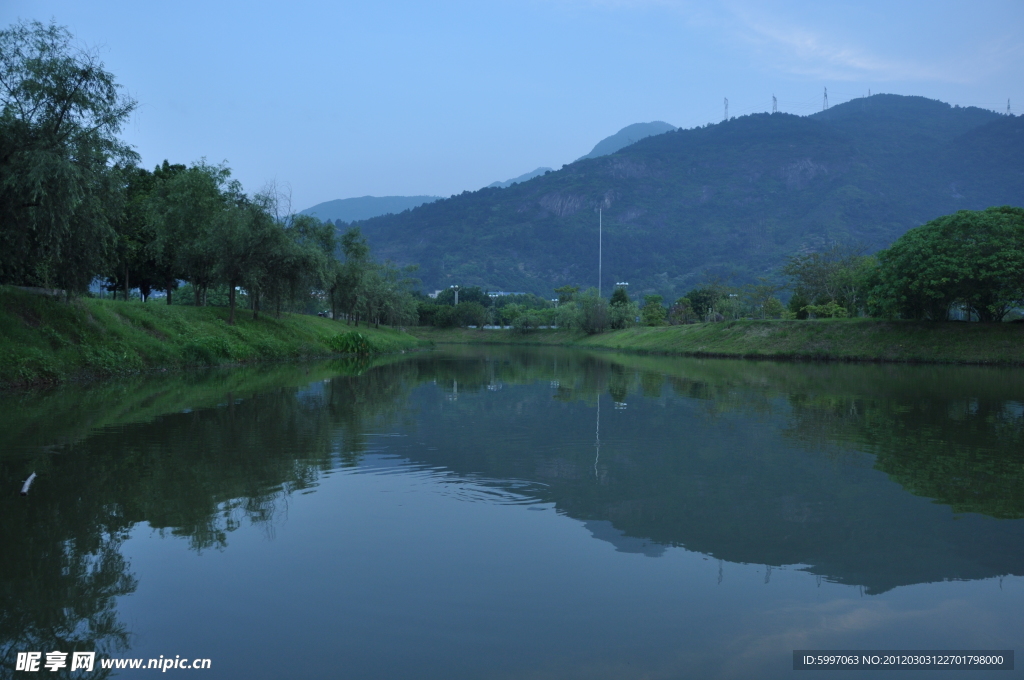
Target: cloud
794,46
807,52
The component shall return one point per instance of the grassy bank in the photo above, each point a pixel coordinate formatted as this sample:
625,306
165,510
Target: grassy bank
821,339
43,340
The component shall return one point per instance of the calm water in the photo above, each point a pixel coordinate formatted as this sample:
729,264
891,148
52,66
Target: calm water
505,513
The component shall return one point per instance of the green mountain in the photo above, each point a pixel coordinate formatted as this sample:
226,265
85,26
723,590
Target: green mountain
365,207
731,199
631,134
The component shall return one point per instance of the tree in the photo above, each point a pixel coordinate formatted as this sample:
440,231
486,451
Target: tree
975,258
758,297
833,275
348,281
189,209
704,301
621,312
61,165
681,312
594,312
567,293
619,296
653,312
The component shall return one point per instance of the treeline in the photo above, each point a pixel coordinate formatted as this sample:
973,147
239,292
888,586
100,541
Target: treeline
965,266
76,207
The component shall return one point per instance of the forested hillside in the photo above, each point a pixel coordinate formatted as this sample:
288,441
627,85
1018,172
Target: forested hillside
732,199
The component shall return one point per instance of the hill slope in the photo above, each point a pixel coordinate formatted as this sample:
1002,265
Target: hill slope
732,198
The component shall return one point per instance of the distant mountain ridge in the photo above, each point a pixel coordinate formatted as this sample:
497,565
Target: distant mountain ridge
516,180
365,207
732,199
631,134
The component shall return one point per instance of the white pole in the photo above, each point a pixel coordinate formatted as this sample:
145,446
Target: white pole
600,253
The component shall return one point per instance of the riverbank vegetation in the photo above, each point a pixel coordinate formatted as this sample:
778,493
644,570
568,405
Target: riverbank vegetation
823,339
43,340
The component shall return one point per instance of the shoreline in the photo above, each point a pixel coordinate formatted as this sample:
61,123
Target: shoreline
831,340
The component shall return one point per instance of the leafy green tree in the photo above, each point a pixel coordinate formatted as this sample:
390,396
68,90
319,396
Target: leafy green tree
797,306
594,312
772,309
705,301
567,293
971,257
190,207
61,164
348,281
757,297
471,314
623,316
619,297
653,312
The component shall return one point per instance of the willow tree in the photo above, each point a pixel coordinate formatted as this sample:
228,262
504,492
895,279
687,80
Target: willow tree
60,158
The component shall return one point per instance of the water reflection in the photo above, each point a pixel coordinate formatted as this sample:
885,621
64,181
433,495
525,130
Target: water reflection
867,475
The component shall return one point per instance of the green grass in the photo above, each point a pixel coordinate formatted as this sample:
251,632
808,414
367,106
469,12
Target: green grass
43,340
822,339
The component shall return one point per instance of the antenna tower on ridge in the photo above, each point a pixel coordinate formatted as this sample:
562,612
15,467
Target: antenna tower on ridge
824,102
726,109
775,104
1007,107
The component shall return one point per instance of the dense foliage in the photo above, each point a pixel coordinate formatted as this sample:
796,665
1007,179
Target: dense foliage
75,207
970,260
61,164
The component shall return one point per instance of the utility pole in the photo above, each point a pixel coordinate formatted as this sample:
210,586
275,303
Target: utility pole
726,109
600,252
824,102
775,104
1008,108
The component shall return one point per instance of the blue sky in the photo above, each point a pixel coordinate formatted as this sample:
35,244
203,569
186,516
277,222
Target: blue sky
342,99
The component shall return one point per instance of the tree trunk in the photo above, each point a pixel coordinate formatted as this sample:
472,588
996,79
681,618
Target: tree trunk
169,291
231,303
255,306
195,289
126,288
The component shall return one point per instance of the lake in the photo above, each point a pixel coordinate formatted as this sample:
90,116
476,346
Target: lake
509,512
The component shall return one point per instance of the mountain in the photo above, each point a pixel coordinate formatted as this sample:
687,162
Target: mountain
365,207
522,178
628,135
730,199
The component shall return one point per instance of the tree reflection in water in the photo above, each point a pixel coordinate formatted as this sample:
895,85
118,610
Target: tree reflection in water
773,464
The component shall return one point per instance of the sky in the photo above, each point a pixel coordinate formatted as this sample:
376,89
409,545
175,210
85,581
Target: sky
336,99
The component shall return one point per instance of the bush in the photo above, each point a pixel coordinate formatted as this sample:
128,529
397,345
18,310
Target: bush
351,343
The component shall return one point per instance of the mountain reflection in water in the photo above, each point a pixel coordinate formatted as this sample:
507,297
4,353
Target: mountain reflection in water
877,476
